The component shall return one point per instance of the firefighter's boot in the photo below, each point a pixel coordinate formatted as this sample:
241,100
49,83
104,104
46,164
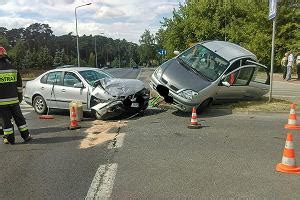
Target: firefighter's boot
9,139
28,138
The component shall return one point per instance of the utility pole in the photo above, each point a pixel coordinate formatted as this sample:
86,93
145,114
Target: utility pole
77,37
119,55
272,16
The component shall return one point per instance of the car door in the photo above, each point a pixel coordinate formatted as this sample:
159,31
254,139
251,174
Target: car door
48,84
239,84
259,84
68,91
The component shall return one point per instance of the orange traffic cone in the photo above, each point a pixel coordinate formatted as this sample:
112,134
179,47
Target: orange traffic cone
292,122
288,163
194,123
73,121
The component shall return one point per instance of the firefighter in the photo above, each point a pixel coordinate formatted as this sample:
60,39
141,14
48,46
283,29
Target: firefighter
10,97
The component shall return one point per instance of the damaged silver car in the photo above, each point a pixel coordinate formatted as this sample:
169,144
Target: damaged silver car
100,93
210,72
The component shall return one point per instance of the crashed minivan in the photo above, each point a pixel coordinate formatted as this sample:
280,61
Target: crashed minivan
210,72
107,97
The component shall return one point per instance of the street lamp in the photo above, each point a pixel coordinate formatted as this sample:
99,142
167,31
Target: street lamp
78,56
96,58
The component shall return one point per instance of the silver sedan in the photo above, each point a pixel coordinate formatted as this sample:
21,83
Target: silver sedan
98,91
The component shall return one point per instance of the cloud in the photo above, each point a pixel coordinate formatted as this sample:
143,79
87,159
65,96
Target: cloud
116,18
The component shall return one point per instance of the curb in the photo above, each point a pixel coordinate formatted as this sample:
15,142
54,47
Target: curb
230,111
27,79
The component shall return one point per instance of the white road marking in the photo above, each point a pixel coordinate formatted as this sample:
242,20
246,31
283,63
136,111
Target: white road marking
119,142
102,184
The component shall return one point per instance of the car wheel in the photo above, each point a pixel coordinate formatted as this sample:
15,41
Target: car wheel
204,106
39,105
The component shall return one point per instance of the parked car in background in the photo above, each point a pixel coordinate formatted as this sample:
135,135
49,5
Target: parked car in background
99,92
211,71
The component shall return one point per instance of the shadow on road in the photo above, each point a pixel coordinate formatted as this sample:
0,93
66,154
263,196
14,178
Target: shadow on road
206,114
147,112
55,140
47,130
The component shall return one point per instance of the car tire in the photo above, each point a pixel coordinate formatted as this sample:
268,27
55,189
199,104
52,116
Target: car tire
204,106
39,105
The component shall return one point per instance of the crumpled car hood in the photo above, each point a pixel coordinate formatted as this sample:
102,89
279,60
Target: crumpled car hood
116,96
116,87
122,87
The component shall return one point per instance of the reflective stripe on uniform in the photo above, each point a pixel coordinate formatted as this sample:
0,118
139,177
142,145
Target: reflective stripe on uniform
23,128
8,131
8,71
9,101
8,77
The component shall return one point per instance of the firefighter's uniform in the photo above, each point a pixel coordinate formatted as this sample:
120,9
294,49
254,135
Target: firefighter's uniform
10,96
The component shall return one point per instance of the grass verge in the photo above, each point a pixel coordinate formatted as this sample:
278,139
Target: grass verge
261,105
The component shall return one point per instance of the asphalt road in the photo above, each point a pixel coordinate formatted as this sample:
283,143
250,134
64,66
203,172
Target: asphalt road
153,156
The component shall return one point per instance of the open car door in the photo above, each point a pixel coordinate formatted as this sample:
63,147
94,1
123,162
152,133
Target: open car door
249,81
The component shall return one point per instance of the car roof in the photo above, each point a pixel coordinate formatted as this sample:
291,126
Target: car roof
227,50
74,69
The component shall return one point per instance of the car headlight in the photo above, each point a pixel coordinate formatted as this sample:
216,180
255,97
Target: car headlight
188,94
158,72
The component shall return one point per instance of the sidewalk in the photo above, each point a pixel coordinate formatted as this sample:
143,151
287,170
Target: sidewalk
278,77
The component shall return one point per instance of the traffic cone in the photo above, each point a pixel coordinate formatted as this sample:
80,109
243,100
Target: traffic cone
73,119
288,163
292,122
194,123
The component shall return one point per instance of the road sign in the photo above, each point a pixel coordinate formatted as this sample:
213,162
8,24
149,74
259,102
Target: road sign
272,9
162,52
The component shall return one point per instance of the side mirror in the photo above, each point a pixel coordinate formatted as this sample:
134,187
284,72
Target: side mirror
78,85
225,83
176,52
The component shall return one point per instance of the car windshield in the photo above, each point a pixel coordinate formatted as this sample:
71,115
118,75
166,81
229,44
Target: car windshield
91,76
203,61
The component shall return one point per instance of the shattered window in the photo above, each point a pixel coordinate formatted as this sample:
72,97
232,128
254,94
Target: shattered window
91,76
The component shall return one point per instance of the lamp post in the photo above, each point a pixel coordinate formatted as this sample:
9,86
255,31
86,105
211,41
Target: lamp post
96,58
78,56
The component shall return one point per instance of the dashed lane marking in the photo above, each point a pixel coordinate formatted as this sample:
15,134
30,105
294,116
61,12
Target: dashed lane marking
102,184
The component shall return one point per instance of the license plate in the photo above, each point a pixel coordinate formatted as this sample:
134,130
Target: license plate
135,105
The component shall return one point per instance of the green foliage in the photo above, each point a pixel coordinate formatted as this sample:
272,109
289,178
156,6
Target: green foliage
92,60
36,47
147,49
243,22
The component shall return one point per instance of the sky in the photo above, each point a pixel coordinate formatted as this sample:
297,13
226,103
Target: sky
118,19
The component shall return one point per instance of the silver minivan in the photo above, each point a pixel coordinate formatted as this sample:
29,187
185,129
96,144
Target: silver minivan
209,72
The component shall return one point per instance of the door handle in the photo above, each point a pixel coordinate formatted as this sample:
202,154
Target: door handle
63,90
42,88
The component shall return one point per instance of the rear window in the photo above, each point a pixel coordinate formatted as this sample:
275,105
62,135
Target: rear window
54,78
44,79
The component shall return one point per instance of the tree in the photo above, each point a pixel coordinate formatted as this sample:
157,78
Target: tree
92,60
242,22
147,49
45,58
